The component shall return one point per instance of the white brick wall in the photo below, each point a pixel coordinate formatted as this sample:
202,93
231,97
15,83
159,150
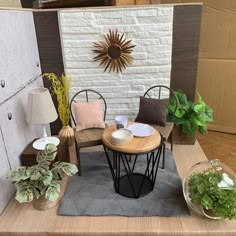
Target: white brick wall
149,28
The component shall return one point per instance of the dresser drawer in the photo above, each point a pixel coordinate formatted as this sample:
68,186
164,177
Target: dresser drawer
17,132
19,61
7,189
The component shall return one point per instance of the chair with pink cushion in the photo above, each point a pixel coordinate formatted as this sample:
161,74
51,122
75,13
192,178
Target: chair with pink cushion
88,111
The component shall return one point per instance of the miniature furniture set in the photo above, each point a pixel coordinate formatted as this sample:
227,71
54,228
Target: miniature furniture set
88,112
13,218
85,107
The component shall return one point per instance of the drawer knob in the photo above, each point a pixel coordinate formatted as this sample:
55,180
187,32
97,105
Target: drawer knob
2,83
9,116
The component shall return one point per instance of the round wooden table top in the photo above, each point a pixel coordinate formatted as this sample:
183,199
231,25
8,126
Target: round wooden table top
136,145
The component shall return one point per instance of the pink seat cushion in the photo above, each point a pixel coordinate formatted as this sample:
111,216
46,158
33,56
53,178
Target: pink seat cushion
88,115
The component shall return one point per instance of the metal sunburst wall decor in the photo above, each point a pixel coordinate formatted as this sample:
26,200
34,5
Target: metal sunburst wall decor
114,53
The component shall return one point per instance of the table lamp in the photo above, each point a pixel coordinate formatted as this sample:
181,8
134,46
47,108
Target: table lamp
41,111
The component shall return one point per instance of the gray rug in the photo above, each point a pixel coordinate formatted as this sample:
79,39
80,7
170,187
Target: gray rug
93,194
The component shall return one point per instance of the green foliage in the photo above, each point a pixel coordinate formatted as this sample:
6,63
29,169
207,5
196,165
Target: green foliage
205,191
41,179
189,116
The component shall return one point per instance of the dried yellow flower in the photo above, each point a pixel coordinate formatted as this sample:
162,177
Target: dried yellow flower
60,87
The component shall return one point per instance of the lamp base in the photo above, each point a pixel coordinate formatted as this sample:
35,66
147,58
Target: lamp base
41,143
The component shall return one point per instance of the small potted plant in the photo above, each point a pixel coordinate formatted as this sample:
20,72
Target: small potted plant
41,182
210,189
190,117
60,87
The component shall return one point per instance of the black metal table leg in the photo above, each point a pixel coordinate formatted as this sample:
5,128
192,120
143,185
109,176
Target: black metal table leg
129,182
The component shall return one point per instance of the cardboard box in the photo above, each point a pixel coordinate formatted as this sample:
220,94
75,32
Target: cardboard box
217,61
10,3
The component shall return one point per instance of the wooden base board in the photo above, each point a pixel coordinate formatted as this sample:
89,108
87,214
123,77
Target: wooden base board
23,219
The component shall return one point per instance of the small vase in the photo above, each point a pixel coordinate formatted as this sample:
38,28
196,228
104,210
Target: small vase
66,134
42,203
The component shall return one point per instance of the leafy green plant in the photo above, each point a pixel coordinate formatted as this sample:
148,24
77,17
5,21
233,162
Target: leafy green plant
205,189
189,116
41,179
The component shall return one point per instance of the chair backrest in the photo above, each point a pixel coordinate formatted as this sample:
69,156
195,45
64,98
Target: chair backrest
88,95
162,92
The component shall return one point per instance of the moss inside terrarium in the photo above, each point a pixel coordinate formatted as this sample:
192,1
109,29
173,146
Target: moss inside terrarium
205,190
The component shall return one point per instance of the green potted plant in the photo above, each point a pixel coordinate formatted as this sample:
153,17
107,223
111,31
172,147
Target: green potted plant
190,117
41,181
210,189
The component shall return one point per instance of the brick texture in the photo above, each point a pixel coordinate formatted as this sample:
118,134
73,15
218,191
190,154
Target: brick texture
149,28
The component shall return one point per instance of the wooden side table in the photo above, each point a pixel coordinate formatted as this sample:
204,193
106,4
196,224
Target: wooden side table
28,156
129,180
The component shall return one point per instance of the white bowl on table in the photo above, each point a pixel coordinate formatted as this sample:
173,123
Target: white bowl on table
121,136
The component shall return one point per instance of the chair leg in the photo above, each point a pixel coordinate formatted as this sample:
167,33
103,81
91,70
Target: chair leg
79,166
114,160
163,155
78,159
171,141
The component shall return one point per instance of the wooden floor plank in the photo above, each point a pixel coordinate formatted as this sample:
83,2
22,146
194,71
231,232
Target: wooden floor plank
217,145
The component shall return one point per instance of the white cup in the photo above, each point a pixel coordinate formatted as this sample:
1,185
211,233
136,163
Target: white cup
121,121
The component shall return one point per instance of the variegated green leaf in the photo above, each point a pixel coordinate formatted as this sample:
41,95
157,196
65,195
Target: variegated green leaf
46,177
70,169
50,152
20,173
24,193
63,169
53,191
44,164
38,184
35,174
40,157
37,193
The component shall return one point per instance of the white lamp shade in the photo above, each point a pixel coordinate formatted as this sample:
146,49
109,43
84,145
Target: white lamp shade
41,109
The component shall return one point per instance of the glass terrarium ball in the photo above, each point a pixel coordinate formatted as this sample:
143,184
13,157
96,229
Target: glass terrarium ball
197,186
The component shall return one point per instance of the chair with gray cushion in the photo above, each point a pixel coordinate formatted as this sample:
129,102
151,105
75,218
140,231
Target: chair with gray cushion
153,111
91,136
